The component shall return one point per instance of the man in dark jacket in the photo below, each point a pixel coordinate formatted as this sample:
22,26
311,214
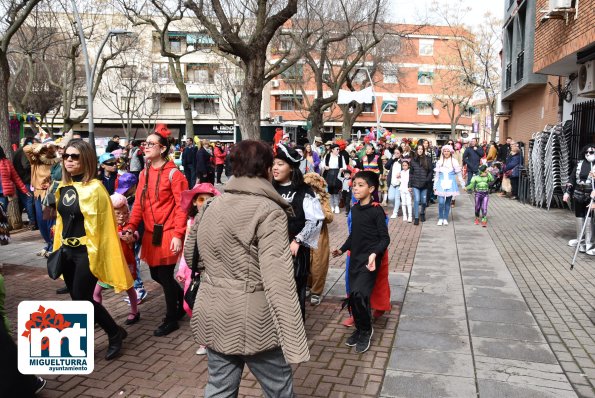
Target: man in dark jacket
113,145
204,166
504,150
188,160
472,159
23,167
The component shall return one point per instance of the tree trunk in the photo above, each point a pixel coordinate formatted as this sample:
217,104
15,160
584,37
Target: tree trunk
176,69
316,119
251,98
350,118
4,133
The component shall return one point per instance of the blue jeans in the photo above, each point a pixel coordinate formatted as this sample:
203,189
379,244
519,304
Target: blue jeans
419,198
444,207
27,202
4,203
394,196
45,226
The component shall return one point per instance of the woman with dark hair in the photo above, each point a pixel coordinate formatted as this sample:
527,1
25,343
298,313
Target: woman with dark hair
247,311
332,167
9,179
305,225
312,157
87,237
580,188
420,175
157,204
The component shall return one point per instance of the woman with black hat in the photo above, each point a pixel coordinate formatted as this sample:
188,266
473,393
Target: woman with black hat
333,165
304,226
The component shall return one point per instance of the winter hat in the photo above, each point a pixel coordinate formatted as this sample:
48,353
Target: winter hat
126,181
449,148
106,157
289,155
118,201
188,195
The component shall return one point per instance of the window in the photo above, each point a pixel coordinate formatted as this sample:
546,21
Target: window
368,108
469,111
424,107
294,72
200,73
160,72
389,106
425,77
289,102
175,45
390,77
80,102
426,47
127,103
206,106
129,72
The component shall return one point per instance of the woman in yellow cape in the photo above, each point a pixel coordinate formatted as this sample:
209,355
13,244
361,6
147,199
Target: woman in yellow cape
87,237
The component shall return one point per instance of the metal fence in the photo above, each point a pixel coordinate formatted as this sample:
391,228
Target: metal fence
583,127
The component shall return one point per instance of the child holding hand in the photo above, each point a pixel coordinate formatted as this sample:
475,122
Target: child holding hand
367,242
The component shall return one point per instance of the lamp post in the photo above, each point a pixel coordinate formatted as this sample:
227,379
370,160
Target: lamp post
90,73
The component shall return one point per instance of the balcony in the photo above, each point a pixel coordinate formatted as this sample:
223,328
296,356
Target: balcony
508,80
520,66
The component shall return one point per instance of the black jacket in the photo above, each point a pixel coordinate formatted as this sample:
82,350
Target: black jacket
189,156
22,166
472,158
418,176
203,163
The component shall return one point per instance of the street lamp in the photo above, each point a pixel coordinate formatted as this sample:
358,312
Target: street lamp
90,73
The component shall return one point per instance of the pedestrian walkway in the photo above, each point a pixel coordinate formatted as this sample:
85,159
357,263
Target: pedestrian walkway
465,329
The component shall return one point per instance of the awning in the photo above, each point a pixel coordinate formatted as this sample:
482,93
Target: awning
203,96
176,34
199,38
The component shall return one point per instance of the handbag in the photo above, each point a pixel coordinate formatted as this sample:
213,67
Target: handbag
192,292
54,263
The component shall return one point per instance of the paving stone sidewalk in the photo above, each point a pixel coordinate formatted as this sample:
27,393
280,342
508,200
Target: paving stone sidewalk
465,329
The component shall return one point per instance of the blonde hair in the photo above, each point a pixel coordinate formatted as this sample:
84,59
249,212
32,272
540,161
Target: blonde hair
87,159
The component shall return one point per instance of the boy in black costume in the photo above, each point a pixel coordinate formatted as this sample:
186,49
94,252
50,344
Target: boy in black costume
367,242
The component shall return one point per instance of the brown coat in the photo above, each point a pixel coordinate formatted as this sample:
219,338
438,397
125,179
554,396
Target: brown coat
247,301
42,159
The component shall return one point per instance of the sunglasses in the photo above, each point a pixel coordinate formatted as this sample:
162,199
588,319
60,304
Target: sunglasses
591,152
74,156
110,164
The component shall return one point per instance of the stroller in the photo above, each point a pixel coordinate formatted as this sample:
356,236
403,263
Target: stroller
496,170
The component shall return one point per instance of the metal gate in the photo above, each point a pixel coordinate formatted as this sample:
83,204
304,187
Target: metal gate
583,127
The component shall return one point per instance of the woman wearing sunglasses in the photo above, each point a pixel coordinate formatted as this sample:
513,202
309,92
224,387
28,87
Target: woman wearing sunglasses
87,237
158,204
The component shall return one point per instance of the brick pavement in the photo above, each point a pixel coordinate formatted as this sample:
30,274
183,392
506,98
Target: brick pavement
532,242
169,367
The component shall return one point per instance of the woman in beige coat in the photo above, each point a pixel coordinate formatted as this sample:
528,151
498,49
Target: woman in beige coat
247,309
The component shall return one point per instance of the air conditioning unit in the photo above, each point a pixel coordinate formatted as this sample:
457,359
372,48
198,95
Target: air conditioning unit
560,4
586,79
278,119
275,83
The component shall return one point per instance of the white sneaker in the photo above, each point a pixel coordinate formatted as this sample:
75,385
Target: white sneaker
393,216
202,350
439,222
410,219
444,222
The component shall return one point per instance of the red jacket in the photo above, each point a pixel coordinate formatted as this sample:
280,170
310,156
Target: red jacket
10,178
164,209
219,156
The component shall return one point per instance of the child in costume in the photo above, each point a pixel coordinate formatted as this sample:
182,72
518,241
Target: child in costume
346,189
481,185
367,243
122,214
192,200
405,192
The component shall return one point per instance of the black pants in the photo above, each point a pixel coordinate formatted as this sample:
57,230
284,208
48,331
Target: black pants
190,175
12,382
219,168
360,285
347,200
514,183
301,269
81,284
174,295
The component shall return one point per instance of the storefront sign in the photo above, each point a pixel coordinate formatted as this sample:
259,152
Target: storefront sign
223,129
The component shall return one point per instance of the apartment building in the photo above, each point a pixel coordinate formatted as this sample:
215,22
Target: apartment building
565,49
528,103
406,88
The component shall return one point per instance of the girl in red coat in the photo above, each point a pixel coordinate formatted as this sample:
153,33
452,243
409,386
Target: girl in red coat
157,203
8,180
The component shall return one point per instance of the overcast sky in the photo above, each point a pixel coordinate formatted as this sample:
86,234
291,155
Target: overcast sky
410,11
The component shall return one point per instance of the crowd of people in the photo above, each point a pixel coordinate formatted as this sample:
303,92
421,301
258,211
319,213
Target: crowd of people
100,217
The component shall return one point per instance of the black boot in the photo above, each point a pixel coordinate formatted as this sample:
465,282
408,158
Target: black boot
62,290
115,344
422,216
166,328
416,221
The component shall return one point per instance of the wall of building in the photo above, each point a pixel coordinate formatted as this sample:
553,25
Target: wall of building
556,39
531,113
